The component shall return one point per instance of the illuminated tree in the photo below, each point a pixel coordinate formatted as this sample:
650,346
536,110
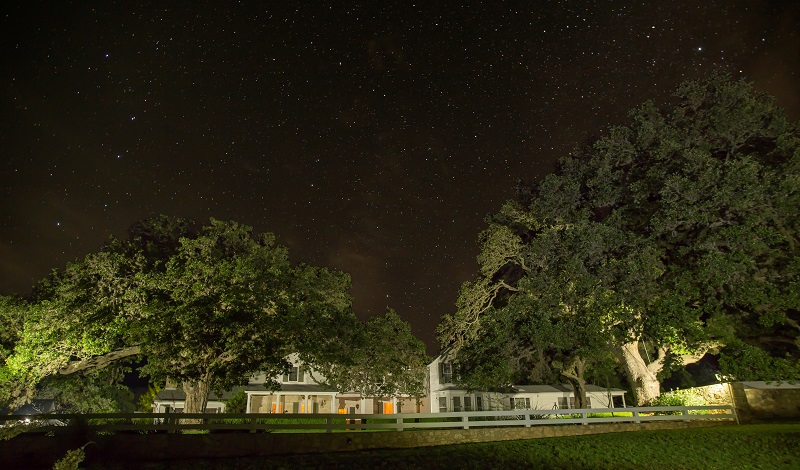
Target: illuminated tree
206,309
676,235
383,359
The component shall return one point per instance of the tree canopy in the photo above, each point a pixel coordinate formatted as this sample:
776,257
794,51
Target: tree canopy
383,359
675,235
207,308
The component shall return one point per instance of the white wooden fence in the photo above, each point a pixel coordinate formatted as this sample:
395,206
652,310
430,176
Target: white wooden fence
328,422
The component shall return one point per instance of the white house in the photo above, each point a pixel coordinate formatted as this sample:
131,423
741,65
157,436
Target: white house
171,399
445,395
300,392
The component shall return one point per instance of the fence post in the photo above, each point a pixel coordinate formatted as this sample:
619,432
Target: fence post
329,424
583,418
80,426
252,424
685,412
465,420
635,416
399,422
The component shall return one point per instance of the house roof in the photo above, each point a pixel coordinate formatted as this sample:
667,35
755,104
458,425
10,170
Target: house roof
178,394
170,394
562,388
539,389
288,388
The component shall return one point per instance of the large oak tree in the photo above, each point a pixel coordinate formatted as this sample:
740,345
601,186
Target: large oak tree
675,235
205,308
381,357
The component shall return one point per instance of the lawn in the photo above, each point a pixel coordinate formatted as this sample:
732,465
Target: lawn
725,447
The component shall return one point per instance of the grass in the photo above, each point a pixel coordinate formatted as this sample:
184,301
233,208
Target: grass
724,447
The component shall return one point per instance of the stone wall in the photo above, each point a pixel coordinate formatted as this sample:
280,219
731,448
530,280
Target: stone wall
30,451
757,402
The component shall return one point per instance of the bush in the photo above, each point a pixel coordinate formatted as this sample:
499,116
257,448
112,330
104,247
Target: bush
145,402
668,400
237,403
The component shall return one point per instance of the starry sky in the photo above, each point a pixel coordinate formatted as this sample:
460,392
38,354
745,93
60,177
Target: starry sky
370,137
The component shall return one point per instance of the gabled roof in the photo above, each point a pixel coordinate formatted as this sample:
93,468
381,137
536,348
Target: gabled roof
539,389
171,394
562,388
303,388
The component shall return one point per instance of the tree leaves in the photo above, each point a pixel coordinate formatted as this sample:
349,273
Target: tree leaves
219,303
680,229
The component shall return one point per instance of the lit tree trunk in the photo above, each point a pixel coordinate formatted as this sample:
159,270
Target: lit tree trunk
575,376
196,397
641,375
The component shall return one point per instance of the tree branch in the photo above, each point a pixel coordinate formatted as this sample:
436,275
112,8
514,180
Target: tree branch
656,366
687,359
98,362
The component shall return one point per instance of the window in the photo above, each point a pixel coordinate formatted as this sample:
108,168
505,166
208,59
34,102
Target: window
296,374
442,404
563,403
467,403
479,403
446,374
521,403
456,403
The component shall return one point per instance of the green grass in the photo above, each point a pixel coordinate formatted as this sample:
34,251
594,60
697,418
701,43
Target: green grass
725,447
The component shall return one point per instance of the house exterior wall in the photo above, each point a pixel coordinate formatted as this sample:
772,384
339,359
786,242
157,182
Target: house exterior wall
176,406
300,393
313,399
445,396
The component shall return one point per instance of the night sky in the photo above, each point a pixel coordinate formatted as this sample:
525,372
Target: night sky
372,139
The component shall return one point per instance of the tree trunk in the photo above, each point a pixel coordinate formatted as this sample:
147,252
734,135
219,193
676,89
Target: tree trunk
642,376
579,390
196,397
575,376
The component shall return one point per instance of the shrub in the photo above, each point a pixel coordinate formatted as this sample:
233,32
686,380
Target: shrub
237,403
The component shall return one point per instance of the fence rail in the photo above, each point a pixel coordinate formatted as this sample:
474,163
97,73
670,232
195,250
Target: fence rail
329,422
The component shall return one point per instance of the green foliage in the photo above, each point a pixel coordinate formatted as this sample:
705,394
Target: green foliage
751,363
237,403
72,460
12,318
146,399
669,400
681,229
383,359
10,430
207,307
94,391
